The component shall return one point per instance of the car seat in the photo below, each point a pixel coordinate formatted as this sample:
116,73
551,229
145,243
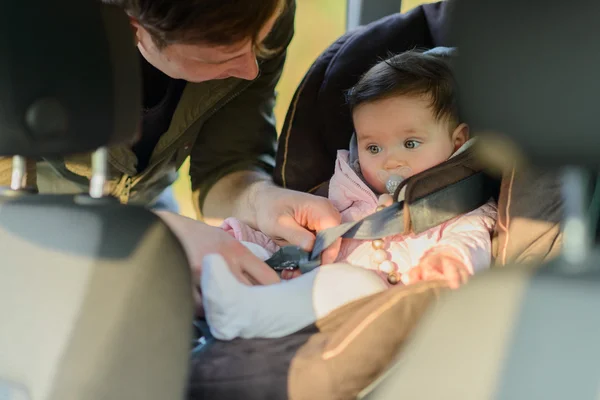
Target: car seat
95,297
318,123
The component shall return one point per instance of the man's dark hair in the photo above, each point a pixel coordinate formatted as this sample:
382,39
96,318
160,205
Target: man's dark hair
412,73
214,22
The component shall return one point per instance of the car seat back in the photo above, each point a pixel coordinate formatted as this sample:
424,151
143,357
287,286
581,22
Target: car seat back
522,331
95,297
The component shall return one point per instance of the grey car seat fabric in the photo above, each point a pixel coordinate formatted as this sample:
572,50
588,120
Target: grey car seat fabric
95,297
521,331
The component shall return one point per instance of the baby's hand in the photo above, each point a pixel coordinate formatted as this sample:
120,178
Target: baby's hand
441,265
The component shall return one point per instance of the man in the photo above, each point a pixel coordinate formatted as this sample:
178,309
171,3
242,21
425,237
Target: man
209,76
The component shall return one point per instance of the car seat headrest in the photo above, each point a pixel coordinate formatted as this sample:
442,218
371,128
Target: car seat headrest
528,70
69,76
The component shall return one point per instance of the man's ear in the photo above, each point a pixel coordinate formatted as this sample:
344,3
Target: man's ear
136,27
460,135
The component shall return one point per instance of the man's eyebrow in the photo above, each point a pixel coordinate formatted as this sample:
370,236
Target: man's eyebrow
218,62
204,60
237,49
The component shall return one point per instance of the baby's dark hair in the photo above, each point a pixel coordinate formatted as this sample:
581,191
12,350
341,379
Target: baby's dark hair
412,73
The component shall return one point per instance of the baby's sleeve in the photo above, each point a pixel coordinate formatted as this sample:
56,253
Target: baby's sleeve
243,232
470,237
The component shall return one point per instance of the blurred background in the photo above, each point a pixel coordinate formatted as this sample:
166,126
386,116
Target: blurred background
318,24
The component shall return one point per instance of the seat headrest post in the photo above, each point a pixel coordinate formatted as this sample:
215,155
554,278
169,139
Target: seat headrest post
577,238
19,169
99,172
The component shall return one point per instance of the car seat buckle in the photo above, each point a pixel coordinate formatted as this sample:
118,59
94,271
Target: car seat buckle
292,258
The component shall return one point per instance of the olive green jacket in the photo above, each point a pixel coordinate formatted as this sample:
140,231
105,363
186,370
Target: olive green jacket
223,125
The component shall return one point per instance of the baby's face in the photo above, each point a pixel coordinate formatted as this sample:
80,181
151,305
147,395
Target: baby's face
401,136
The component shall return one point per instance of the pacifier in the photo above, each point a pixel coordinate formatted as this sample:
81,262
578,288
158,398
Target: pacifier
392,179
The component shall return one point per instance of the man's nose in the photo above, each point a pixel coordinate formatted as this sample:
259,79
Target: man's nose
246,67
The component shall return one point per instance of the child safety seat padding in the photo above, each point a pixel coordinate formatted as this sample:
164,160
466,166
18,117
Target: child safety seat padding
521,332
95,298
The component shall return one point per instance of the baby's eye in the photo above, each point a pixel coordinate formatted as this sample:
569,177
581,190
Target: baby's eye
412,144
374,149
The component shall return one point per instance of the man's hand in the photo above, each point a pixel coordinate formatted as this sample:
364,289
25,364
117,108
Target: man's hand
291,217
442,265
199,239
285,215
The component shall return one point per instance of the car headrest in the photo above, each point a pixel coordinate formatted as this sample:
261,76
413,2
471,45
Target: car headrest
69,77
529,70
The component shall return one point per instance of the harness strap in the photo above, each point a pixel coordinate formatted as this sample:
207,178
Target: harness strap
427,212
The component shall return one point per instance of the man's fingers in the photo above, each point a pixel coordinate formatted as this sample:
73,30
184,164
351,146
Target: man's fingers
287,274
298,223
236,270
259,272
281,242
324,218
292,232
251,280
330,254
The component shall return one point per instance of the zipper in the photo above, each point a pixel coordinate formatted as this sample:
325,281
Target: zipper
125,192
368,192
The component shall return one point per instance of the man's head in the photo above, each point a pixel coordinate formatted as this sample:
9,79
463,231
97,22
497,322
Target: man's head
200,40
406,118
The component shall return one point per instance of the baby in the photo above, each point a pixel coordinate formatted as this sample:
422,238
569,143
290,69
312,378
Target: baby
406,121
